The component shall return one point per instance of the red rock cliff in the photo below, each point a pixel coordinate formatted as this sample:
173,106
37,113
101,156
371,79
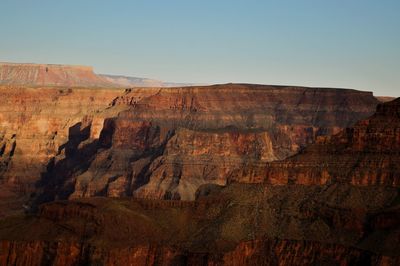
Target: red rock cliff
174,140
35,124
50,75
366,154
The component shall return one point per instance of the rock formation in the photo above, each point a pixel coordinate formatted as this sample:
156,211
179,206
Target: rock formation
242,224
35,123
364,155
172,141
335,202
50,75
125,81
233,174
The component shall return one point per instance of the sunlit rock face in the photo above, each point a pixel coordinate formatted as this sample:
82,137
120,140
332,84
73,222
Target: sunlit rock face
202,192
35,125
50,75
366,154
171,141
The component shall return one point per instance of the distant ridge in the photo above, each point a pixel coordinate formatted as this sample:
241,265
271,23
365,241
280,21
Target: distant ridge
50,75
126,81
31,74
384,99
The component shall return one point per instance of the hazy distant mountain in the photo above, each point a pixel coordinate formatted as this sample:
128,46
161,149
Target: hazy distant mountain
384,99
142,82
71,75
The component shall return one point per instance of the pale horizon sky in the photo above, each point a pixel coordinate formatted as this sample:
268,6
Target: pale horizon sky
338,43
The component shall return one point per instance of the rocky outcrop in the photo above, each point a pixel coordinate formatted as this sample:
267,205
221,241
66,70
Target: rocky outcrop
343,220
366,154
35,125
241,224
259,252
172,141
169,143
50,75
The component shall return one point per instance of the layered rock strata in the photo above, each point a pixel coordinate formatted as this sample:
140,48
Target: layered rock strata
344,220
242,224
367,154
50,75
172,141
35,124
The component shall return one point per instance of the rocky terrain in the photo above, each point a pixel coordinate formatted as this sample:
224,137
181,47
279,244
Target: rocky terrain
233,174
35,123
341,221
364,155
166,144
50,75
172,141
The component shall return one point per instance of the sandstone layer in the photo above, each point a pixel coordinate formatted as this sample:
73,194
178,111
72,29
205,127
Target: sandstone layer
335,203
50,75
171,141
367,154
243,224
35,124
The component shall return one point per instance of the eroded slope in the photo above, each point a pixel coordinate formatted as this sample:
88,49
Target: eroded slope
173,141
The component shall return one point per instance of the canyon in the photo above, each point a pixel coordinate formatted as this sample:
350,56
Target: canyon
34,124
158,142
343,220
366,154
170,143
232,174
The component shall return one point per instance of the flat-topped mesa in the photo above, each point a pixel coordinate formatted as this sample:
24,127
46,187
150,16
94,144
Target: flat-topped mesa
251,106
174,140
366,154
11,64
50,75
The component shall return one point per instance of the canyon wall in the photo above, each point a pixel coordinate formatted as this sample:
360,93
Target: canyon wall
172,141
364,155
258,252
335,202
35,124
243,224
69,143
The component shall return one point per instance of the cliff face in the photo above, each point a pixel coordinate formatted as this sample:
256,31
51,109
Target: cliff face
294,223
242,224
168,142
366,154
172,141
50,75
35,125
259,252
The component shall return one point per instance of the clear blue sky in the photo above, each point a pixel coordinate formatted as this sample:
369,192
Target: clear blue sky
336,43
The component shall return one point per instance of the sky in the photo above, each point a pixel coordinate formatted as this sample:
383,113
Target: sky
337,43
